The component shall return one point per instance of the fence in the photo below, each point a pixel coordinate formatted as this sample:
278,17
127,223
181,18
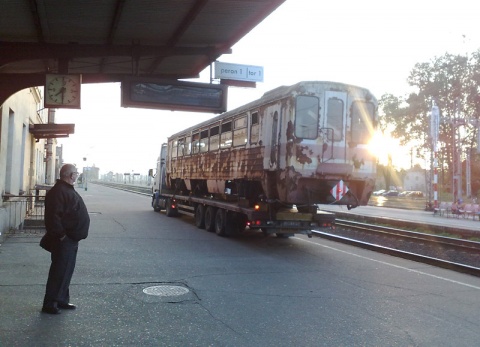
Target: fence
25,213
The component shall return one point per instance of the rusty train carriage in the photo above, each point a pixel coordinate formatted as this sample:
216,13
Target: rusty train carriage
292,146
270,163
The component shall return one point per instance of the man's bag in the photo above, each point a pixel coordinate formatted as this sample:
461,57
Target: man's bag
48,242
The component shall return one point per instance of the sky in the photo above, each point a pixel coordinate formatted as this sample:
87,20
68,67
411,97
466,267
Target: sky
371,43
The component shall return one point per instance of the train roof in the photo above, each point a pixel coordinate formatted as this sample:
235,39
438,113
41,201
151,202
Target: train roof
272,95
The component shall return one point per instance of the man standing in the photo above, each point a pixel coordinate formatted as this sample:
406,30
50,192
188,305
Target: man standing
67,222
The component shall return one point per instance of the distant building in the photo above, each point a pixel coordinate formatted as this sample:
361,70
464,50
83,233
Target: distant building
91,173
415,179
108,177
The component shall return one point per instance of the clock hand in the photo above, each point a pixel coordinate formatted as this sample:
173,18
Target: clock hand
61,91
63,94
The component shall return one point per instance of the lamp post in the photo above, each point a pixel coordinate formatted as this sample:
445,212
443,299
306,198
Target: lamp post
86,173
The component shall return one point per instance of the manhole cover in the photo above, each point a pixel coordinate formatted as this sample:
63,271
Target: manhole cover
166,290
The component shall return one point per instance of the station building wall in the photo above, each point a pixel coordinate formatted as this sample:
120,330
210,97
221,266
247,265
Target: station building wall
22,157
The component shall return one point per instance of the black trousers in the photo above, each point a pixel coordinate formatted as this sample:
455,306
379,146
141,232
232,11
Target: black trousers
64,257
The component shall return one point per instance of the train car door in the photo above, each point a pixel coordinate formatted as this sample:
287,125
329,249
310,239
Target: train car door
274,142
335,121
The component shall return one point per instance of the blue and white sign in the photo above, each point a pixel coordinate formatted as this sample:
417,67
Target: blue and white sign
238,72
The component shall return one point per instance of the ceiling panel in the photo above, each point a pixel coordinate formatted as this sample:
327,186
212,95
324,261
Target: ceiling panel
106,40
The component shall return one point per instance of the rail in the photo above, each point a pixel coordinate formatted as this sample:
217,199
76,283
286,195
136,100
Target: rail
25,213
126,187
450,253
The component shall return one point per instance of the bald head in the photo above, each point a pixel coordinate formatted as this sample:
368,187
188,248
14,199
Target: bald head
68,173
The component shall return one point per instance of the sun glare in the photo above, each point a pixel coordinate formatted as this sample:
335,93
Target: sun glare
383,146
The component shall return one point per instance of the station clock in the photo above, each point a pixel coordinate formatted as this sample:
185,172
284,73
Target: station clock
62,90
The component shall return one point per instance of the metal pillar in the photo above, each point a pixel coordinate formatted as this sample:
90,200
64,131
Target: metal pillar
457,155
468,175
434,127
50,160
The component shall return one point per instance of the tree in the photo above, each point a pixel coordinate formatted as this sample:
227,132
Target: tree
453,83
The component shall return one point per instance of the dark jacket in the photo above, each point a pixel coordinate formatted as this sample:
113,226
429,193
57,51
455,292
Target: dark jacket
65,212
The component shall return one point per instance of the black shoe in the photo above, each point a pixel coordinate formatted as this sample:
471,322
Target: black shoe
51,310
67,306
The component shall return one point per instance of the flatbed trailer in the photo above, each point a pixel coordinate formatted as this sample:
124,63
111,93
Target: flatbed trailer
228,218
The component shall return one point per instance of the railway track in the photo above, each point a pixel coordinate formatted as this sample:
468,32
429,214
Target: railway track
446,252
143,190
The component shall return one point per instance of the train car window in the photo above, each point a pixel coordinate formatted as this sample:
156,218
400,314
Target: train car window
214,138
240,131
254,129
363,114
203,140
195,143
240,122
181,147
335,117
174,148
188,145
306,117
226,135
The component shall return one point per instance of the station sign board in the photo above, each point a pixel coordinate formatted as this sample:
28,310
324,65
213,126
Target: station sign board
174,95
229,71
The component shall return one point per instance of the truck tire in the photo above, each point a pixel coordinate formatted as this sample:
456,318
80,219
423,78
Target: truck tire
220,222
200,216
235,223
210,218
170,211
155,206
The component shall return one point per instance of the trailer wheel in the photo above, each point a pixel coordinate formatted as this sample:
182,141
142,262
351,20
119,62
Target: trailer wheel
235,223
220,222
210,218
200,216
170,211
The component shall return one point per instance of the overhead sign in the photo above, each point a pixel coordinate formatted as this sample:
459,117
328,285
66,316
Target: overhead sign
238,72
174,95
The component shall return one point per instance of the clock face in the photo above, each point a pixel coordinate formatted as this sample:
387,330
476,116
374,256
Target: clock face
62,91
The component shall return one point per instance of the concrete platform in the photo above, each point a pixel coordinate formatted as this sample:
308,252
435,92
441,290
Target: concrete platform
417,216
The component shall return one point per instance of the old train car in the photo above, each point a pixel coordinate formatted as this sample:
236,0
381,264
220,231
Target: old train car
300,145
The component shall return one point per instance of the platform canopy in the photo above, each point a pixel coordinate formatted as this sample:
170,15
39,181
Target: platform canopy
106,39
